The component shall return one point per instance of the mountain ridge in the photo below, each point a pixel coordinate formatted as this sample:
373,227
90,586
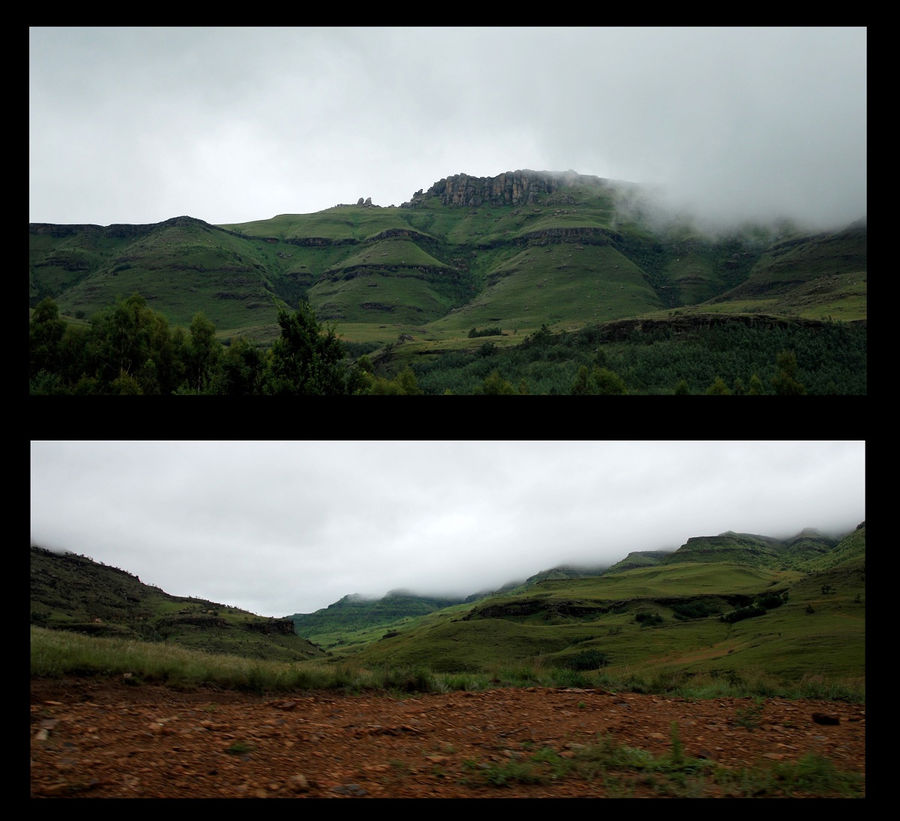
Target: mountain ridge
436,259
354,609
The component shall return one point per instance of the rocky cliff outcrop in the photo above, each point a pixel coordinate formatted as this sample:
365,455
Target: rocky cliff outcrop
587,236
509,188
282,627
618,330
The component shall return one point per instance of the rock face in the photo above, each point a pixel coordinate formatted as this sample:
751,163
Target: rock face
509,188
283,627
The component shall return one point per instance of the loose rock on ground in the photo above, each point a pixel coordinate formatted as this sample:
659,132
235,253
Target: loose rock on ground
103,739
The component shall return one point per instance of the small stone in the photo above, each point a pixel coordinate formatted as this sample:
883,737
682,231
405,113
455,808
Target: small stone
298,782
350,789
825,718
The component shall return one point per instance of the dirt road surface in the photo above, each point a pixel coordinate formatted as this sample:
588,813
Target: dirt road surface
102,739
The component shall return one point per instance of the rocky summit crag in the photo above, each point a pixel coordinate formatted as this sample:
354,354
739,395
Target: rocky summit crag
510,188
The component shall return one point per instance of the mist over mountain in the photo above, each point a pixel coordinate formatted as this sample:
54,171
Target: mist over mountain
355,612
136,125
278,527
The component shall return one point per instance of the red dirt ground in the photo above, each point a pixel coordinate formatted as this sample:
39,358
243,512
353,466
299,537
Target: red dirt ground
97,739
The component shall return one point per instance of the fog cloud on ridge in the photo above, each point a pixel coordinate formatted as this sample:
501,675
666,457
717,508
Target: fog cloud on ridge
137,125
284,527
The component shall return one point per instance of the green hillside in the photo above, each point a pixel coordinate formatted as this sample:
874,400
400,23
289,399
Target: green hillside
564,254
74,593
639,558
753,609
355,618
182,267
764,615
560,271
751,549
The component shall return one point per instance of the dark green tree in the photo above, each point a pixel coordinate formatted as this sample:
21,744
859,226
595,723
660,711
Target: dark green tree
608,382
203,354
718,388
403,384
132,340
306,358
494,384
597,381
756,386
785,380
407,380
241,370
45,334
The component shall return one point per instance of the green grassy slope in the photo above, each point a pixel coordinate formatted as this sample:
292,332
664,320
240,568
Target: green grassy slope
716,617
751,549
785,611
560,285
639,558
431,271
182,267
358,619
818,276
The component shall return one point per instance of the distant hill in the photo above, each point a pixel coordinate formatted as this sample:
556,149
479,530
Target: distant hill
640,558
72,592
358,620
566,571
808,268
363,618
850,549
751,549
727,606
354,612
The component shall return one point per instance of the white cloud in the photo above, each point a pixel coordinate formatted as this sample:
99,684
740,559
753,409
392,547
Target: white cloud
284,527
231,124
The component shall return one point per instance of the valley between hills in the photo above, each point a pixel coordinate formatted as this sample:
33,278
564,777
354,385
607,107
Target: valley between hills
696,610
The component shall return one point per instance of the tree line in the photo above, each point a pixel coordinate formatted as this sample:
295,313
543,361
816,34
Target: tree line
728,359
131,349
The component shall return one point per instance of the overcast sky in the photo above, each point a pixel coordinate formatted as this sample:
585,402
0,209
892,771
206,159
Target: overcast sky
278,528
137,125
